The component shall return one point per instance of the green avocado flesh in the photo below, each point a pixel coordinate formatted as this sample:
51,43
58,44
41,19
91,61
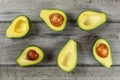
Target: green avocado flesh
89,20
55,19
67,57
102,52
19,27
26,60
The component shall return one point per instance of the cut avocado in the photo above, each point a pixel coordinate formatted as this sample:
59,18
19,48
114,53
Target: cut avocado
19,27
89,20
30,56
67,57
102,52
54,18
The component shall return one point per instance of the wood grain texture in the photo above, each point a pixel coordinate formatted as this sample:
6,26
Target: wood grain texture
54,73
51,42
12,8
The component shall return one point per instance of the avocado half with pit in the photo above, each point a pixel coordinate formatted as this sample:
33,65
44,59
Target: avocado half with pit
54,18
89,20
102,52
30,56
19,27
67,57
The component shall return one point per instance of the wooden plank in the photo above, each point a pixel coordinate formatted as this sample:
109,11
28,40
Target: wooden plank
12,8
51,42
54,73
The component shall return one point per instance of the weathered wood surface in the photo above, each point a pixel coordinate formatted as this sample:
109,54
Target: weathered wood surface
12,8
51,42
54,73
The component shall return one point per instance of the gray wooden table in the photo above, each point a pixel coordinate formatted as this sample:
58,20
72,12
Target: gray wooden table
51,42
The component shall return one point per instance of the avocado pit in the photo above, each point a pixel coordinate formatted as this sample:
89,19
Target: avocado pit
102,50
56,19
32,55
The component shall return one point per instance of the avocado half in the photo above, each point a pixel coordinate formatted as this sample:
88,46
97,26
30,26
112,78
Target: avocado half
19,27
89,20
30,56
55,19
102,52
67,57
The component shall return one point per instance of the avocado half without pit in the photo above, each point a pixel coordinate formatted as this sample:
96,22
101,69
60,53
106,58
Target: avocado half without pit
54,18
30,56
67,57
19,27
102,52
89,20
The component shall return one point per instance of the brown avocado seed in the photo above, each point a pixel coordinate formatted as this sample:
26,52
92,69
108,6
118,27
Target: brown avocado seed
56,19
102,50
32,55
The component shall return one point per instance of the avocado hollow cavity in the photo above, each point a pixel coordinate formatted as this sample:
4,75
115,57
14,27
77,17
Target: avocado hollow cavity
90,19
67,60
20,26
